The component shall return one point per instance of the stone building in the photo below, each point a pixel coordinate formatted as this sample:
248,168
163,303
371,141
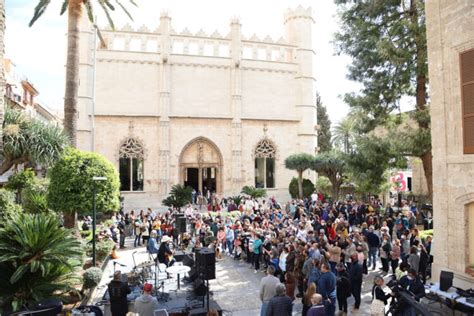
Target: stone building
215,112
450,33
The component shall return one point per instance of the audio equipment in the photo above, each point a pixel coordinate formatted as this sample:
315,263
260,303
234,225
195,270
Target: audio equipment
181,224
206,263
445,280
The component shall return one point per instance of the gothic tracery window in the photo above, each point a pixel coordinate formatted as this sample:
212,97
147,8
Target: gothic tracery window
131,156
265,152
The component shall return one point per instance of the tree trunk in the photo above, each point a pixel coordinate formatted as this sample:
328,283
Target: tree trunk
2,73
421,97
72,71
300,184
335,188
427,160
69,219
6,164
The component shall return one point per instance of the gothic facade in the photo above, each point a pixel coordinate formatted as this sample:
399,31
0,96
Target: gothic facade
215,112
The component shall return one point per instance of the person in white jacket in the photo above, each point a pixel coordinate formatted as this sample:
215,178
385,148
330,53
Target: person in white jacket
146,304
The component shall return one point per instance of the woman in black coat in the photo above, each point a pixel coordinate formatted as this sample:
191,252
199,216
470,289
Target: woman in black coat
343,287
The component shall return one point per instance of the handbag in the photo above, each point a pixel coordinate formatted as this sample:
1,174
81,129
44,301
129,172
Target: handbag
377,307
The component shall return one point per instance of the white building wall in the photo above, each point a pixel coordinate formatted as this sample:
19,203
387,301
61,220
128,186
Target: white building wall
167,88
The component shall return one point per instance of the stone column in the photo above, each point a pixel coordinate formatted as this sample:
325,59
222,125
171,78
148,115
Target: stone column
200,180
299,23
164,107
236,107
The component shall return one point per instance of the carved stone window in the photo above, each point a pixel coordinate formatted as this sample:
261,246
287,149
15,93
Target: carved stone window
265,153
131,157
265,149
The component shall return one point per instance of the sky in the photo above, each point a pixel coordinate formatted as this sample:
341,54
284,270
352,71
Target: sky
39,52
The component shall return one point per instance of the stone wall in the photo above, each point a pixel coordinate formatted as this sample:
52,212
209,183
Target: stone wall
450,31
167,88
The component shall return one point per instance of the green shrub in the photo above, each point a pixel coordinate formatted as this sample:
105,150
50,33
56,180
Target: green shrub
102,249
91,277
19,181
308,188
426,233
37,259
71,185
86,234
8,206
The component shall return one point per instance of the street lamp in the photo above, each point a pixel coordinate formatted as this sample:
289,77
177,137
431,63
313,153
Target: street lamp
94,180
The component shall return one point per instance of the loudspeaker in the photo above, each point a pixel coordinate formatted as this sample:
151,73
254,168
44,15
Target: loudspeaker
445,280
181,224
206,263
188,260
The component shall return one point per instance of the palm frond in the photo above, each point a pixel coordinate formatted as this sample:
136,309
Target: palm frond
90,10
64,7
39,10
37,258
124,9
109,5
30,140
107,13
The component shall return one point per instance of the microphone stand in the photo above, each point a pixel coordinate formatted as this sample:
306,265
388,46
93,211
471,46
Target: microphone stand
134,263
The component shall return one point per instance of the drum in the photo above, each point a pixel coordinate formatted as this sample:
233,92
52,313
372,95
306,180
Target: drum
145,274
133,278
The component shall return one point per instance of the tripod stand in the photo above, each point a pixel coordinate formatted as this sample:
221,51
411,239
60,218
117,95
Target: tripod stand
161,296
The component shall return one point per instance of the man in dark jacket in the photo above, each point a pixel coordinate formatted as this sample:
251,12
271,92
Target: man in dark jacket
280,304
412,283
374,243
355,275
343,285
118,291
327,288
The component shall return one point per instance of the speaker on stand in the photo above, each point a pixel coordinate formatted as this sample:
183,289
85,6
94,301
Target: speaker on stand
206,265
206,261
180,227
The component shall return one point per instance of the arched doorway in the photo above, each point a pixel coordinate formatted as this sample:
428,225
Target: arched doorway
201,166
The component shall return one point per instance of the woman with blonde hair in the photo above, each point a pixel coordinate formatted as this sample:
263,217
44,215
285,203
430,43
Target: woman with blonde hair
307,298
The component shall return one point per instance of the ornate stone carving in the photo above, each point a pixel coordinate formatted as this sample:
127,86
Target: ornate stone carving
131,148
265,149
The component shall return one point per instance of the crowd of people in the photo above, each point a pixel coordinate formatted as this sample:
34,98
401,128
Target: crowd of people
311,249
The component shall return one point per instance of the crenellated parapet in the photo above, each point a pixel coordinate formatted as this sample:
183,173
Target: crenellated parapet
299,13
200,43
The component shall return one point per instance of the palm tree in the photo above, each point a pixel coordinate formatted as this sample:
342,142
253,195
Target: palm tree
27,140
75,10
2,72
180,195
37,258
332,164
254,192
343,134
300,163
